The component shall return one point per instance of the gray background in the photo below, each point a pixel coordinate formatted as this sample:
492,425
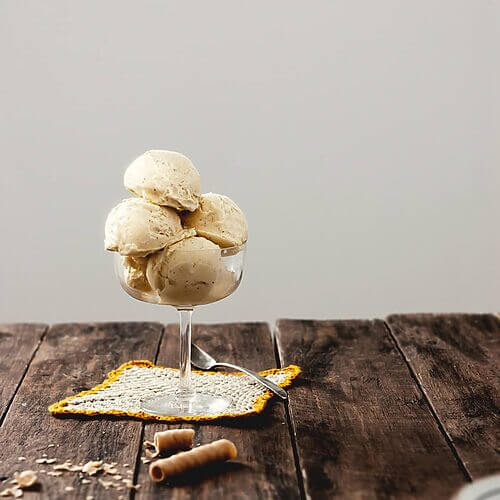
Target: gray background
360,138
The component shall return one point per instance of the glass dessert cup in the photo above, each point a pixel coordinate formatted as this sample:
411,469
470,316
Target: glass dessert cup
222,271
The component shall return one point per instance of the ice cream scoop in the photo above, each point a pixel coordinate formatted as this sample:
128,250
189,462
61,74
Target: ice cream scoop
218,219
165,178
135,273
185,272
136,227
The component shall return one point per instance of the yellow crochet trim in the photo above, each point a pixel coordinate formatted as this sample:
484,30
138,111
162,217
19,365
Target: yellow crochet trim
60,408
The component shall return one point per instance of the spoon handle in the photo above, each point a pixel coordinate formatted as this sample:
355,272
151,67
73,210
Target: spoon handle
279,391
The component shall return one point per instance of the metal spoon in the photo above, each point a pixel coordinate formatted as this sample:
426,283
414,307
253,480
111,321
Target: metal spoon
200,359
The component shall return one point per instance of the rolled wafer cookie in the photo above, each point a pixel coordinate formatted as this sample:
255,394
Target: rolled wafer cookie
218,451
173,439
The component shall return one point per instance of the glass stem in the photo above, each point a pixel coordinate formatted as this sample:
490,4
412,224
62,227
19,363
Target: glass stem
185,350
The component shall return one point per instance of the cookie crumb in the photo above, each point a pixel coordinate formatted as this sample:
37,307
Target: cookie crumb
12,492
25,479
129,484
109,469
106,484
92,467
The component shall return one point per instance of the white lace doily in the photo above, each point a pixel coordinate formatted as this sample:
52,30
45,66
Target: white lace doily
126,387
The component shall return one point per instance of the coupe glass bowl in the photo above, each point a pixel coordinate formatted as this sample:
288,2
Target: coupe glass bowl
200,277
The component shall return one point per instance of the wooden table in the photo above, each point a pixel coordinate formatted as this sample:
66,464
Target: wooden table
401,408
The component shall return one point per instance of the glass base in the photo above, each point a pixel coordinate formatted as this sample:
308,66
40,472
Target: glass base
185,405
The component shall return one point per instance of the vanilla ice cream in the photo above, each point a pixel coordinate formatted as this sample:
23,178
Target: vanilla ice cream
218,219
135,273
226,283
137,227
185,272
165,178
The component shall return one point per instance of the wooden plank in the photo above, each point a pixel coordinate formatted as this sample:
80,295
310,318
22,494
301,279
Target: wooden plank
265,467
18,343
72,358
364,429
456,359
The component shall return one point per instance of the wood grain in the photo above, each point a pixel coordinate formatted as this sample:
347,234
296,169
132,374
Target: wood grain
456,359
265,466
72,358
18,343
364,429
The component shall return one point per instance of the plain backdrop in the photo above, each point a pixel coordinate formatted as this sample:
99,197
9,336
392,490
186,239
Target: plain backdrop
361,139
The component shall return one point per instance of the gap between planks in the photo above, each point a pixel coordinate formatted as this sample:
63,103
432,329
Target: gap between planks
289,420
21,380
143,426
440,424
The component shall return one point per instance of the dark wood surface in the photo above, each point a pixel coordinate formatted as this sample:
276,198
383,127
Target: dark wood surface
363,428
72,358
406,408
18,343
265,467
456,361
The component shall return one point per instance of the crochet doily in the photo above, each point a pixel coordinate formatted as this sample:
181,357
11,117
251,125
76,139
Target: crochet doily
125,388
